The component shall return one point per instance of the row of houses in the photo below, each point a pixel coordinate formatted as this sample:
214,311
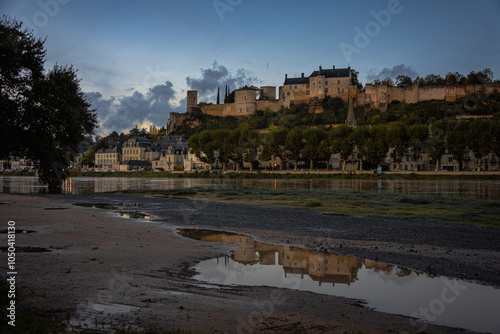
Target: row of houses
168,153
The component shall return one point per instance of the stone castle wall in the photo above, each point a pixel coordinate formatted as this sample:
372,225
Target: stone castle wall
379,96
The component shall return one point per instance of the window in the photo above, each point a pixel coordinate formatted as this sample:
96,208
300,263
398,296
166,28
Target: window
326,82
338,90
338,82
326,90
450,159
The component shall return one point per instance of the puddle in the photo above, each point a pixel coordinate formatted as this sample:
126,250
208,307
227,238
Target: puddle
28,249
97,205
135,215
384,287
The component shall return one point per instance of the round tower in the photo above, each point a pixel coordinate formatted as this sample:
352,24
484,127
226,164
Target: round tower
245,101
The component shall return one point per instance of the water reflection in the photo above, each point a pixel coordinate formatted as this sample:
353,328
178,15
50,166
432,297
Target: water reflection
81,185
385,287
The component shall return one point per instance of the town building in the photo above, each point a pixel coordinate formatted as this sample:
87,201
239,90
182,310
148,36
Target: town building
135,148
109,159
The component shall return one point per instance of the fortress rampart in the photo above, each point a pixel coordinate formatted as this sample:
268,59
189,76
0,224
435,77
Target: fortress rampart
320,84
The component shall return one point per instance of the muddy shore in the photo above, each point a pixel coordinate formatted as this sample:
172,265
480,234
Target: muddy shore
106,270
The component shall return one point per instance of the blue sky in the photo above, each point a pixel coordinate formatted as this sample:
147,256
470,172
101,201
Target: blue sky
136,59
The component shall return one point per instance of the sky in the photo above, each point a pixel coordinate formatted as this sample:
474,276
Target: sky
136,59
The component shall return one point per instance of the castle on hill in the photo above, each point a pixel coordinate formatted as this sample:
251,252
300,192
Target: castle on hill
332,82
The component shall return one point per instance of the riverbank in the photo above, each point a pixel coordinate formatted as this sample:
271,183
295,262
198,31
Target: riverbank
104,271
288,174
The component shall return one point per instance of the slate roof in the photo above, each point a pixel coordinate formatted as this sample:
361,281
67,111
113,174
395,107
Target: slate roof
332,73
296,81
328,73
116,149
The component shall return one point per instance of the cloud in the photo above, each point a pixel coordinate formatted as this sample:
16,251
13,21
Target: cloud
122,114
392,73
219,76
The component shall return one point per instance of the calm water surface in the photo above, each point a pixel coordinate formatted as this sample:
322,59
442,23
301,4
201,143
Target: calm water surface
384,287
84,185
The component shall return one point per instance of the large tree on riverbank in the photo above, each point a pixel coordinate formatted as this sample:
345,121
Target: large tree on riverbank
44,115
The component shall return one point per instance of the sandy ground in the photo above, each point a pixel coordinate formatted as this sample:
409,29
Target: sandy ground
106,271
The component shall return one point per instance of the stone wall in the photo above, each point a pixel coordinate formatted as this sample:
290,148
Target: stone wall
379,96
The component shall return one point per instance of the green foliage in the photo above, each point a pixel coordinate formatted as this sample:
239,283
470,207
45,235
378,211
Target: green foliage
479,137
294,142
88,158
436,141
456,140
341,141
315,145
399,140
44,115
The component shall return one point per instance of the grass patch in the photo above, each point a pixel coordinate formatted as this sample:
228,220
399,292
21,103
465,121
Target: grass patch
345,202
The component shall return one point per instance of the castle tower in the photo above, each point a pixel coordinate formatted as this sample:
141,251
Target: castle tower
245,101
351,119
192,100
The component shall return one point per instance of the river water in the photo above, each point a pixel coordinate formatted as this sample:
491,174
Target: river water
485,189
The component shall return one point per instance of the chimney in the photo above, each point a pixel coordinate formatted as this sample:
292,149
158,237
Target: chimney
320,69
333,66
286,76
302,75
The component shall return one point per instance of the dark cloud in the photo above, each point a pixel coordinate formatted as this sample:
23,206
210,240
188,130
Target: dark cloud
122,114
219,76
392,73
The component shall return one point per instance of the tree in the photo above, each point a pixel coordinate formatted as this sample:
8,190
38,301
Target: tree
388,82
399,140
221,141
44,115
355,79
436,141
275,146
341,142
294,143
418,135
495,131
359,138
246,142
479,135
454,79
456,140
480,78
88,158
403,80
376,144
135,132
313,148
433,80
202,146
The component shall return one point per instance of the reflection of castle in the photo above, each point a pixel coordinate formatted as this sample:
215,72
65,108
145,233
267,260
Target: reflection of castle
321,267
